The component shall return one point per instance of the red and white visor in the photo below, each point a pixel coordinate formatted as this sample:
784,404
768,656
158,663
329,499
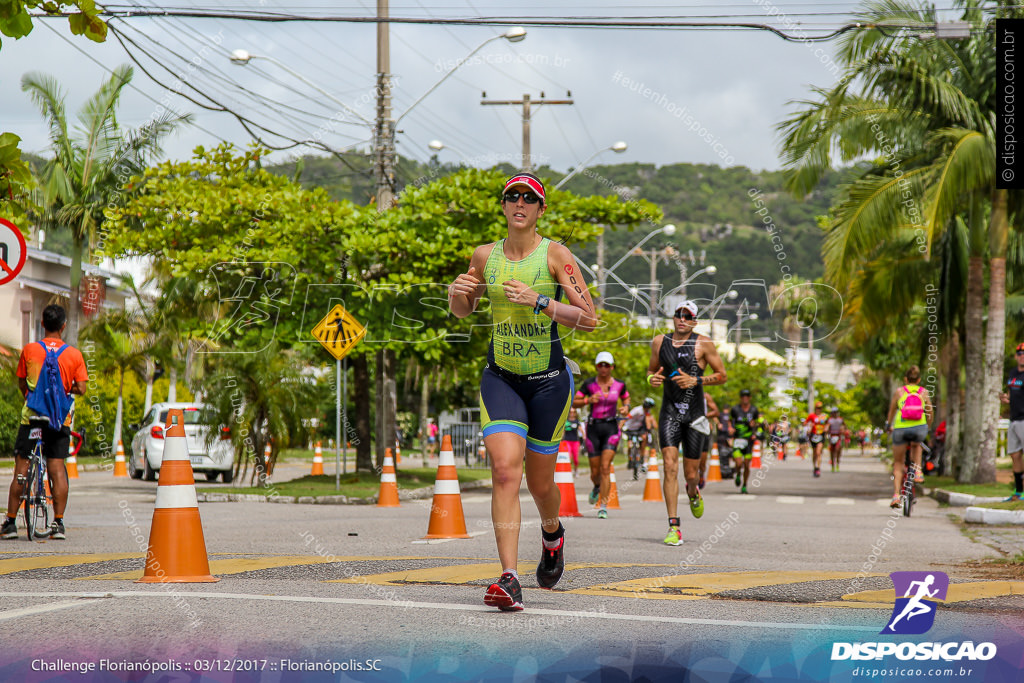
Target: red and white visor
529,181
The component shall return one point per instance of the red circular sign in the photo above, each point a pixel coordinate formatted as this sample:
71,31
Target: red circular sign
13,251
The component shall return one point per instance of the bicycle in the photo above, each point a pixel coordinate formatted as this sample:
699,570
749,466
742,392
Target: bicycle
38,502
908,485
636,460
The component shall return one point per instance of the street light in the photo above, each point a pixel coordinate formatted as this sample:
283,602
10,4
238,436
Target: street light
437,146
603,274
243,57
513,35
619,147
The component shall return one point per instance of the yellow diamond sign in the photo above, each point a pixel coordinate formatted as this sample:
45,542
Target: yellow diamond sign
339,332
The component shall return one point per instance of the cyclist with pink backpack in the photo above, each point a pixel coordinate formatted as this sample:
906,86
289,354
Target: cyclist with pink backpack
910,411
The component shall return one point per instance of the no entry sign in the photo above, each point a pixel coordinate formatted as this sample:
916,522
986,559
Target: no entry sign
12,251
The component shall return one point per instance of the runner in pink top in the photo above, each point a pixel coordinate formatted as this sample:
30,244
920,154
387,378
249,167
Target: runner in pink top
603,394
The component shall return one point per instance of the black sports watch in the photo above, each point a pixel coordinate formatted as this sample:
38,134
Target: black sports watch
542,303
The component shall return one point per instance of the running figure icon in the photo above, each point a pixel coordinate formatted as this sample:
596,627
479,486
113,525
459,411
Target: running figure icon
915,605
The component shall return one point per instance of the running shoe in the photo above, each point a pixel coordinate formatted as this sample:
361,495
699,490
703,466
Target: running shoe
701,483
674,537
9,529
697,505
817,471
737,477
594,494
918,478
57,530
602,514
743,490
896,502
506,594
551,565
1015,497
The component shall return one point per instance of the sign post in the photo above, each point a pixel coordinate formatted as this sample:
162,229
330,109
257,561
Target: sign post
339,333
13,251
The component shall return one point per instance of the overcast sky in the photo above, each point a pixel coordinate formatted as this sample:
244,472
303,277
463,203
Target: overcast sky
732,87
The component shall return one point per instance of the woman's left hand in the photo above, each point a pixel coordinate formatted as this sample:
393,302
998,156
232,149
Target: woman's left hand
519,293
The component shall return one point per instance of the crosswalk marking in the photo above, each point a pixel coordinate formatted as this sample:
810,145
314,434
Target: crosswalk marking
789,500
22,564
467,573
697,586
250,564
958,592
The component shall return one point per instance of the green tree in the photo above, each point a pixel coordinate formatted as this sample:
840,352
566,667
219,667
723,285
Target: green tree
927,109
89,166
263,399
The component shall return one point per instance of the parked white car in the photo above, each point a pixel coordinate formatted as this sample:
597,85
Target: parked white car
210,452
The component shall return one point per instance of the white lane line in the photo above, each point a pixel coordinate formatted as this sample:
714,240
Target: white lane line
740,496
840,501
435,541
42,609
790,500
407,604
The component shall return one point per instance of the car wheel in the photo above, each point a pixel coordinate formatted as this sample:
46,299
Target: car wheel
133,471
227,476
148,473
212,476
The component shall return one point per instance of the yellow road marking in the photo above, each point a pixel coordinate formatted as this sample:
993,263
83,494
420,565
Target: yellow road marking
958,592
21,564
692,586
250,564
465,573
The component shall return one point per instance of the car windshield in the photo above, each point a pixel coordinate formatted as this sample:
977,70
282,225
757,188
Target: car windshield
193,416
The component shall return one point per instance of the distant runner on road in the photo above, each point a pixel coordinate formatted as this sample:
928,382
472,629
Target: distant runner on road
678,361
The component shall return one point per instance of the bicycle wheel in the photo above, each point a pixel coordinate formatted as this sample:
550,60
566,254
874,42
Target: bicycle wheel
908,496
28,494
42,511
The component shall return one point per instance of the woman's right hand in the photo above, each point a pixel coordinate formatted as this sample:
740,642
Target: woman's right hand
465,284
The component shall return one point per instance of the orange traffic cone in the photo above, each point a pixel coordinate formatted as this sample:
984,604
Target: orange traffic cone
388,496
652,488
267,451
71,465
120,468
398,453
318,460
566,486
714,465
446,518
613,493
755,462
177,549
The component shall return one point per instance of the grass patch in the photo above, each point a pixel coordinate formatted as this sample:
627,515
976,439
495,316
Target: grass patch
1012,505
983,490
355,485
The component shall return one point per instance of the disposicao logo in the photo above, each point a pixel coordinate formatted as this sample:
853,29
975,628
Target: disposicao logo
914,614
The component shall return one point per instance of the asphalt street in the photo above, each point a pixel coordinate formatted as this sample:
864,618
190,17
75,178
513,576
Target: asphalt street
764,584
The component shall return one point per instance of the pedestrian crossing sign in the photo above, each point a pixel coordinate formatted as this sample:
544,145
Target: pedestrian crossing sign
339,332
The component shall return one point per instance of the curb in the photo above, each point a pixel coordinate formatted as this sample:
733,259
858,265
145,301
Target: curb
961,499
976,515
413,494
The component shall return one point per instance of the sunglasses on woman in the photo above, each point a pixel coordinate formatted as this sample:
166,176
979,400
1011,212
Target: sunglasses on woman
685,315
513,197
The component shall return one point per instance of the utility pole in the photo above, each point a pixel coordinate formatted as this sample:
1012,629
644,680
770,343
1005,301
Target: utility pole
384,132
526,102
384,175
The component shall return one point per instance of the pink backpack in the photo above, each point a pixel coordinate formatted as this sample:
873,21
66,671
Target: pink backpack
913,406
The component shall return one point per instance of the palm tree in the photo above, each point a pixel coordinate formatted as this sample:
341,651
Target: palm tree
90,166
927,107
264,399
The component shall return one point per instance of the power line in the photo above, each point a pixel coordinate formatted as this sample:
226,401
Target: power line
563,22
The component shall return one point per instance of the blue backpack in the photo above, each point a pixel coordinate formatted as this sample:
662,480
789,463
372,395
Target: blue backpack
49,399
